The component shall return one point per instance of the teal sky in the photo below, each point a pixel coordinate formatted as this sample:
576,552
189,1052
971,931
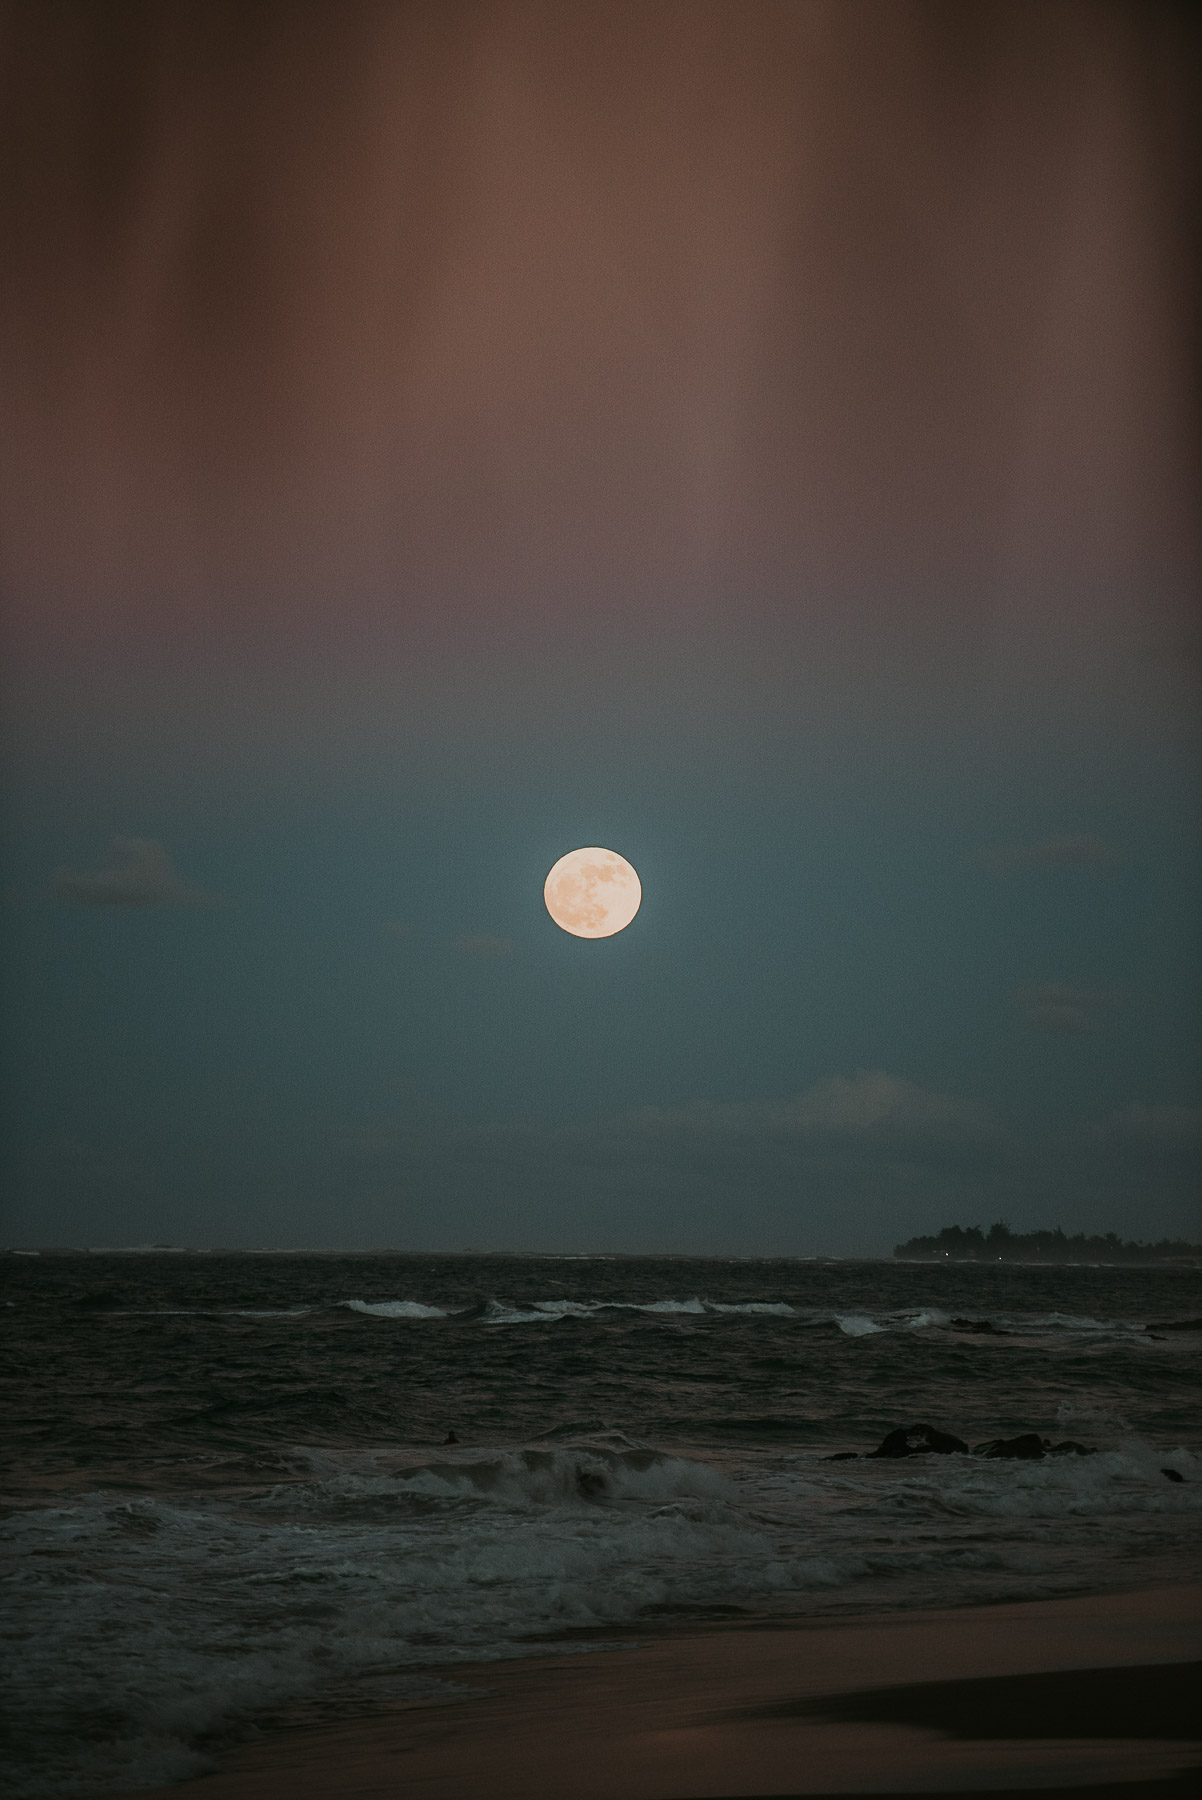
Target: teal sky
772,466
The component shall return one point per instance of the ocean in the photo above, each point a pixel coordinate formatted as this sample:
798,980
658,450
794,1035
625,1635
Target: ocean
230,1497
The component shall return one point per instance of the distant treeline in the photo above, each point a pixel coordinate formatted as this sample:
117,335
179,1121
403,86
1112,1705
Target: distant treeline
999,1244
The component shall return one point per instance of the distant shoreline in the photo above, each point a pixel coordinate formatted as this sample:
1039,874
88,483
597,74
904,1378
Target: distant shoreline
1187,1260
1054,1248
1051,1262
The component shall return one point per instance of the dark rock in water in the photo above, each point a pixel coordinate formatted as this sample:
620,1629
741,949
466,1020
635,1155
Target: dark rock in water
450,1438
1026,1447
977,1325
1175,1325
924,1440
919,1440
1172,1475
1029,1447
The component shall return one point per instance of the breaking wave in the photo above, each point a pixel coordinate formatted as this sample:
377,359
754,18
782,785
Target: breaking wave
395,1309
269,1475
186,1617
855,1324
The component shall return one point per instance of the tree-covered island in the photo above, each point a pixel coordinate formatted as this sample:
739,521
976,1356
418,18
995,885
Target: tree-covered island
956,1243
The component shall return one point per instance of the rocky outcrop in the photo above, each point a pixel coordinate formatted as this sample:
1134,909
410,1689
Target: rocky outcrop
925,1440
919,1440
909,1440
1029,1447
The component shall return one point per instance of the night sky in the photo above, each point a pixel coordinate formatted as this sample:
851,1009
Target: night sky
756,436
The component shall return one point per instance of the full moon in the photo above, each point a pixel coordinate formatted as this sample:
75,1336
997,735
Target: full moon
592,893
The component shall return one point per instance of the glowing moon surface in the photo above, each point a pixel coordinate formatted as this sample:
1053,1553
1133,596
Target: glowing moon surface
592,893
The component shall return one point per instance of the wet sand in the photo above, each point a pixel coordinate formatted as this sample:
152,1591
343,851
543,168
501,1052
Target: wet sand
1095,1695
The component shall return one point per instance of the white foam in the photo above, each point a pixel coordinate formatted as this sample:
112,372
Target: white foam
520,1480
857,1324
1112,1486
533,1312
497,1312
181,1616
395,1309
184,1615
777,1309
1036,1325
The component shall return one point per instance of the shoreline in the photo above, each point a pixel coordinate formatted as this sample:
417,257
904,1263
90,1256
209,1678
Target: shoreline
1084,1695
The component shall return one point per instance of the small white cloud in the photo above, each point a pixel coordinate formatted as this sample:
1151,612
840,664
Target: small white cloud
140,873
1084,850
874,1102
1065,1011
870,1110
483,943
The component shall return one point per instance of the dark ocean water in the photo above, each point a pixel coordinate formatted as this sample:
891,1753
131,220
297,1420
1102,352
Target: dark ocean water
228,1486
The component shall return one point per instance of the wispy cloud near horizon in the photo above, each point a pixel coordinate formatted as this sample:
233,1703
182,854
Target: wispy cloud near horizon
140,873
1065,1011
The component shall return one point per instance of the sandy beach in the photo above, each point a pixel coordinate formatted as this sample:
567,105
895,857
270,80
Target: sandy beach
1096,1694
